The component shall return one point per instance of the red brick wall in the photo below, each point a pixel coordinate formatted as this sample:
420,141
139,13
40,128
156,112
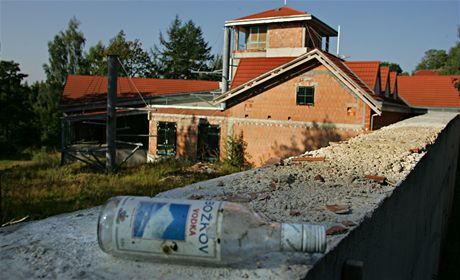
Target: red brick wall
333,103
271,142
186,131
367,122
287,35
273,125
285,128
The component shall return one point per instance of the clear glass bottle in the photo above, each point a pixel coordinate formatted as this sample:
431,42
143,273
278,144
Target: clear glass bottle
197,231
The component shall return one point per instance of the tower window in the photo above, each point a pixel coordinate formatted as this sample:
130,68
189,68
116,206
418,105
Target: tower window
257,38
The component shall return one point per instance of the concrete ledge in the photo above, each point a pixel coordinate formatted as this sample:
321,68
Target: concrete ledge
394,229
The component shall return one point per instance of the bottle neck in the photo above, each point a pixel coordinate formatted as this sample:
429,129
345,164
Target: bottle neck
303,238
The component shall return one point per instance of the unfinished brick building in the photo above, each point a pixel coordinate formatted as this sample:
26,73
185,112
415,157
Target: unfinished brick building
283,91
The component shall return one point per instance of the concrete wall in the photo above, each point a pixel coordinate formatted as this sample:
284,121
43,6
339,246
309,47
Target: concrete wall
401,239
388,118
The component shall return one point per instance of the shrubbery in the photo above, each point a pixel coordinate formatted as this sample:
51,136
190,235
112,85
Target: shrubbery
236,153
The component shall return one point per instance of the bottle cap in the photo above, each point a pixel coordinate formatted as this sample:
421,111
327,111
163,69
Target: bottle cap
303,237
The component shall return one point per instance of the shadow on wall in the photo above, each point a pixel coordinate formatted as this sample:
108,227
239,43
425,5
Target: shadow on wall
187,139
312,138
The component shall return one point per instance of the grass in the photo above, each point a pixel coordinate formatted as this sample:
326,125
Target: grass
40,187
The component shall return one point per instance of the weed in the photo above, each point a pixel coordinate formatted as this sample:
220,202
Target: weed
43,159
236,153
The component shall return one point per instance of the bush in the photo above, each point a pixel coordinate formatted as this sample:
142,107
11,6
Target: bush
43,159
236,154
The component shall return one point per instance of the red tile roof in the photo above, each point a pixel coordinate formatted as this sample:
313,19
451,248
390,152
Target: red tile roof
384,75
366,71
427,73
250,68
429,91
79,89
279,12
343,65
393,78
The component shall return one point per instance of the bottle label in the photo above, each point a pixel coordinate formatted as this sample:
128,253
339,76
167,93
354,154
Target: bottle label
176,228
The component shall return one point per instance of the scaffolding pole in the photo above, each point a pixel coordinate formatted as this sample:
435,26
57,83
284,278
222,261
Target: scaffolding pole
111,113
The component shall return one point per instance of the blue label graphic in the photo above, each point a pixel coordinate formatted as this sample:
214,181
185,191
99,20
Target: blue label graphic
163,221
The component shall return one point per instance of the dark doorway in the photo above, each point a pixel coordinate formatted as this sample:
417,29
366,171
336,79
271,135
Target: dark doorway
166,138
208,142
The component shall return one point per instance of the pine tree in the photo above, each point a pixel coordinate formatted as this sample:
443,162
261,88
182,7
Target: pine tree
15,114
183,51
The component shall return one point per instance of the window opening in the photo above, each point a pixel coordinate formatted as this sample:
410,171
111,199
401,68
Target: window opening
166,139
305,95
256,38
208,142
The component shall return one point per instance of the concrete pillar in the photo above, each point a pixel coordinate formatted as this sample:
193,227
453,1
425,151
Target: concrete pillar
111,113
226,59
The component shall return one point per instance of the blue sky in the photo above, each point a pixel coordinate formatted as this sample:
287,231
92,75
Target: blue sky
397,31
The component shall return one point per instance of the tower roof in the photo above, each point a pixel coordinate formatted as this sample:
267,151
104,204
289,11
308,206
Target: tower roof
278,12
283,14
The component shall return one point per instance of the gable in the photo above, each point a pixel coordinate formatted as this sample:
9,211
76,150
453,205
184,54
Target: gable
333,102
368,71
393,81
301,63
384,76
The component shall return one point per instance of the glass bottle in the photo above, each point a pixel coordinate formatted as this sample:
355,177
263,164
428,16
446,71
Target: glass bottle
204,232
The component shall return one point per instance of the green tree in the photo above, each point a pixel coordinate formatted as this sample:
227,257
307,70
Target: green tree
136,61
65,54
452,65
394,67
433,60
66,57
15,113
95,62
45,107
183,50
